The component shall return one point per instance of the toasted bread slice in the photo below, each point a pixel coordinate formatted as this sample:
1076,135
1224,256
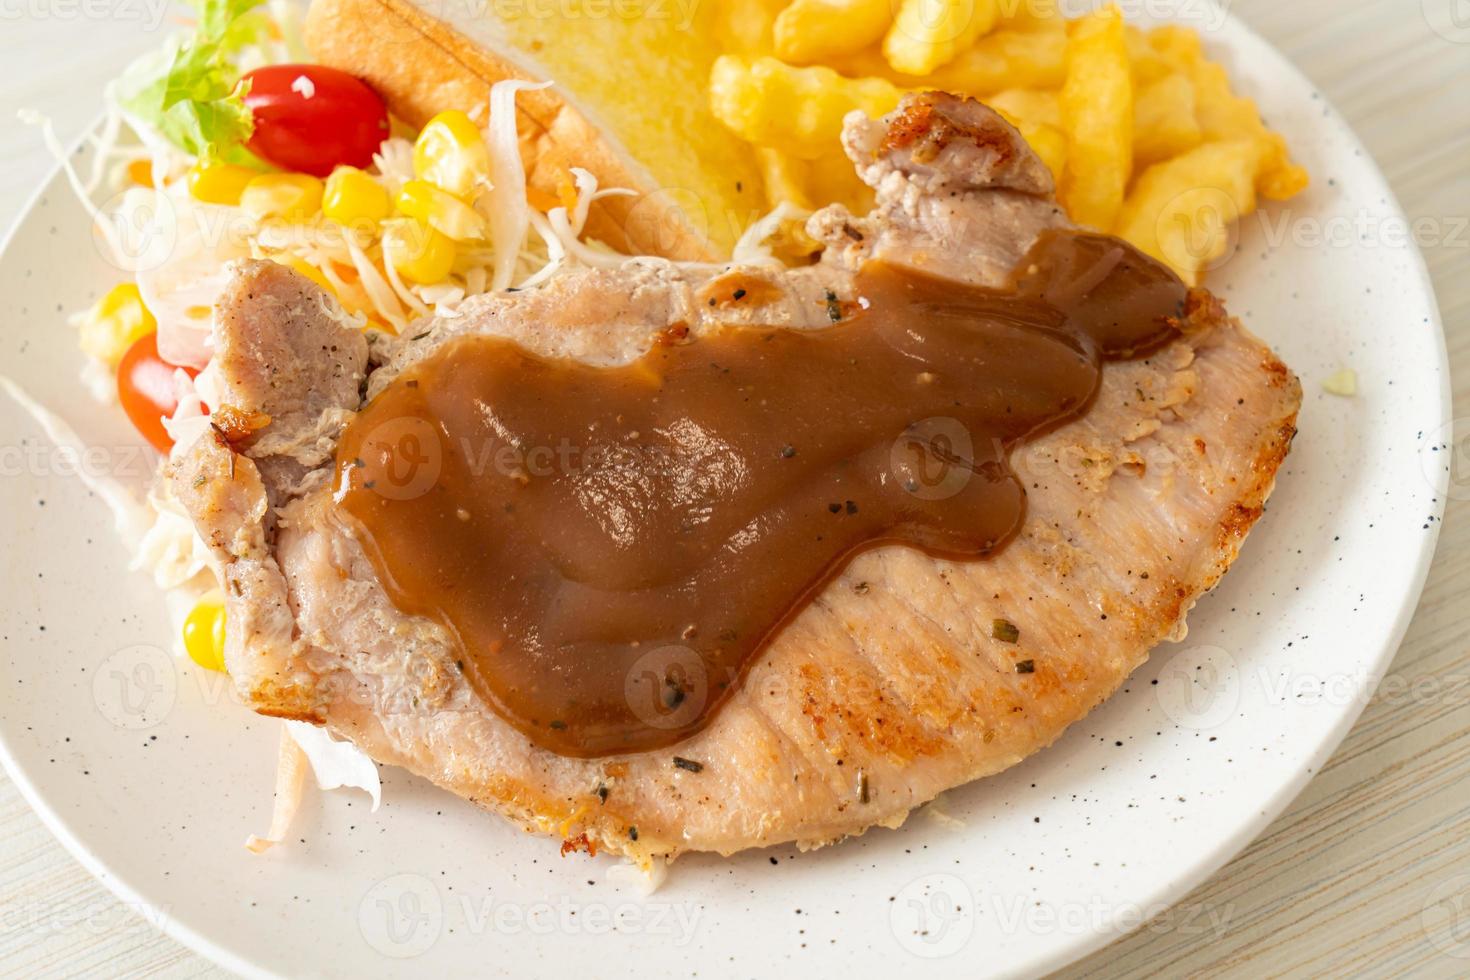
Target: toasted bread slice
630,104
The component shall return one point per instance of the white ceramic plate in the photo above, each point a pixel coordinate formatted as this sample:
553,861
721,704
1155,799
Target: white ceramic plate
153,777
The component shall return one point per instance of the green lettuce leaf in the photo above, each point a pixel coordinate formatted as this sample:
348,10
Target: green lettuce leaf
190,93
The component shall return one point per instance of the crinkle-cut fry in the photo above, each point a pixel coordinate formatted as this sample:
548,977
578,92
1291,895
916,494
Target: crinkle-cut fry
1147,62
1097,116
291,766
1281,177
1005,59
747,26
812,184
821,30
1031,15
785,179
1180,46
1049,143
1225,116
1184,211
833,181
1164,122
929,33
795,110
1028,105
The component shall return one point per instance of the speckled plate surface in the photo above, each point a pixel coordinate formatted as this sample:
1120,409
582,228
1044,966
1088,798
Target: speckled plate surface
153,777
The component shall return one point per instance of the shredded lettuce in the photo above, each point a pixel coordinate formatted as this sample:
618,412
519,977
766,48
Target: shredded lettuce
190,92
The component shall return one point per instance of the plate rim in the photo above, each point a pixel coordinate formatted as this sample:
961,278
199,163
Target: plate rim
1071,949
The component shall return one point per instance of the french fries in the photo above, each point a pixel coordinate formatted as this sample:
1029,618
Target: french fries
1142,132
747,25
822,30
929,33
1164,120
798,111
1147,62
1183,211
1005,59
1034,106
1097,117
1224,115
1049,143
1031,15
810,184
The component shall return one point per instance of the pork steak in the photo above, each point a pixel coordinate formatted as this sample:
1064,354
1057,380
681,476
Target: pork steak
894,684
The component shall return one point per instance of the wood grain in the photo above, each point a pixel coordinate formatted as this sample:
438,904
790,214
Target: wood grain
1362,872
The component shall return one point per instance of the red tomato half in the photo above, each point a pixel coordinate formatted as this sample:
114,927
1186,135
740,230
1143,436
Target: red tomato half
145,386
310,118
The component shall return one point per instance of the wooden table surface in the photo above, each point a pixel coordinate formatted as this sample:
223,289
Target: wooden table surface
1368,872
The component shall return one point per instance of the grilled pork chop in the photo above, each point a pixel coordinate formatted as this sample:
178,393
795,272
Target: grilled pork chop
896,682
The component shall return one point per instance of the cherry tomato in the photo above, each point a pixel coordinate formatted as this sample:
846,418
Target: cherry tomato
311,119
145,386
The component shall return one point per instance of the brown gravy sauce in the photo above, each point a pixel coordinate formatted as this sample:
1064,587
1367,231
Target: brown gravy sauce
612,545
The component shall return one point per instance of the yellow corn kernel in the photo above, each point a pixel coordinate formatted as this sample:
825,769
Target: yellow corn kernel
354,199
292,197
418,252
204,632
441,211
219,183
114,323
795,110
451,154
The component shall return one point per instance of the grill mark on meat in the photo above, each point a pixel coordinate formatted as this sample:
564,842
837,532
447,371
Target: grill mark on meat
924,129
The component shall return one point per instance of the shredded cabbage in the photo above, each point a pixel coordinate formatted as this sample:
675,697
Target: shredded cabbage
752,249
509,213
568,227
336,763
